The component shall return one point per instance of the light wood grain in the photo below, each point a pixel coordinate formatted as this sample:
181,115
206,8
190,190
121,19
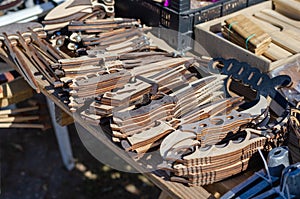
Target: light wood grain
290,8
275,52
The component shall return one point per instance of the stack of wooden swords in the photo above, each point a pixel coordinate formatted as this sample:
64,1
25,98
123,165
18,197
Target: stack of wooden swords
74,10
274,34
24,47
212,148
108,69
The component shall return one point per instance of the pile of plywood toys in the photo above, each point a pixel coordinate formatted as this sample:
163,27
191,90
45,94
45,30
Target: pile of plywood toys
108,69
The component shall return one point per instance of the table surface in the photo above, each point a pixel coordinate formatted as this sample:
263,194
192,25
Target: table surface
159,178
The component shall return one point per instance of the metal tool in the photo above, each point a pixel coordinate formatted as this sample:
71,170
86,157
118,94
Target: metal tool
262,181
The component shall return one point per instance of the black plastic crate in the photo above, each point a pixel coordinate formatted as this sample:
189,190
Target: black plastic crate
180,5
233,6
177,40
208,14
154,14
175,21
153,10
178,16
253,2
145,10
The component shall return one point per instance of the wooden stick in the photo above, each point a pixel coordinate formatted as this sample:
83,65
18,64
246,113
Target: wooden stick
18,119
18,110
21,125
281,17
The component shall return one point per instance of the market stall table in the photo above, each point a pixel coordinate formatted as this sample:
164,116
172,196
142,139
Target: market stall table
158,177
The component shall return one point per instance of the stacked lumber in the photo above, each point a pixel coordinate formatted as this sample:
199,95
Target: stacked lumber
287,38
14,91
27,117
294,134
242,31
141,129
208,165
281,27
155,78
212,148
96,84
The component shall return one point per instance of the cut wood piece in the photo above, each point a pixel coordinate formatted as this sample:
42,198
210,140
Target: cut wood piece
29,51
167,75
285,38
102,25
52,27
220,174
139,126
246,33
107,37
45,47
266,26
284,41
62,118
18,110
212,130
20,61
95,80
197,93
137,44
197,116
150,136
132,91
124,44
102,43
237,39
110,21
245,28
223,106
90,118
14,92
145,148
211,164
158,66
22,125
19,119
290,8
21,44
100,109
103,110
275,52
200,155
68,8
285,27
283,18
131,116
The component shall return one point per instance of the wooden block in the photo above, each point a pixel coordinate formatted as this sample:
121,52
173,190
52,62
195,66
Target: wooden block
14,92
275,52
62,118
289,8
246,28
